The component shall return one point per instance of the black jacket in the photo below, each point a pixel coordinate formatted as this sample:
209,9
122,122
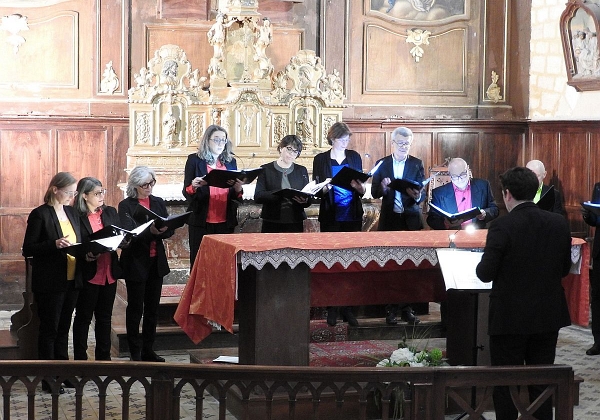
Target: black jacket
48,263
321,171
109,217
527,252
198,202
135,259
413,170
269,181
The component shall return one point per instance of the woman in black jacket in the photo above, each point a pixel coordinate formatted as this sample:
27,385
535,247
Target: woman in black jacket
100,272
340,210
56,275
214,209
144,263
281,214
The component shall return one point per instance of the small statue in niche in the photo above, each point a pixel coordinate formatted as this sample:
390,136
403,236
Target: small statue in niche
110,81
169,129
305,127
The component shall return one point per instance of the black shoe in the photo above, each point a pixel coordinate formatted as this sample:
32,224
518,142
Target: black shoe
349,317
152,357
410,317
46,388
390,318
331,316
594,350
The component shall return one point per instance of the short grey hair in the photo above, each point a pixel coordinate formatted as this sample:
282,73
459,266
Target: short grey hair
137,177
402,131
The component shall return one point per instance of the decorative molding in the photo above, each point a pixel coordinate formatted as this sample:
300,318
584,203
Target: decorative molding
493,90
417,37
110,82
14,24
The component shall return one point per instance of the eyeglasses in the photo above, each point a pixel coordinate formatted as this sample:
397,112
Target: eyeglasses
98,193
69,193
219,140
459,177
148,184
401,143
291,150
344,139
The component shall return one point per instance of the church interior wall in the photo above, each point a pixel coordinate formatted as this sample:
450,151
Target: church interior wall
57,114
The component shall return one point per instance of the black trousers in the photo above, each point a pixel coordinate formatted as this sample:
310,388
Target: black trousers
55,311
595,299
513,349
196,233
143,299
97,301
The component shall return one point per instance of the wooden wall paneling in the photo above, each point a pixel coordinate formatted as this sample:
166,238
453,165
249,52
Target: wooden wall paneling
189,9
333,41
12,231
27,162
116,174
192,39
593,163
82,151
494,42
112,23
458,144
519,57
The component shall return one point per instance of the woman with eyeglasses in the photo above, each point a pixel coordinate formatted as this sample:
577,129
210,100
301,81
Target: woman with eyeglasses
144,263
281,214
214,209
55,275
100,272
340,210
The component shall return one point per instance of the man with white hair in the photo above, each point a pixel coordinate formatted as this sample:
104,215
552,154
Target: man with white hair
537,166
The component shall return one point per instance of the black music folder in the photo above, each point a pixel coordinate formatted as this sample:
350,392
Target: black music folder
172,222
546,201
401,184
461,216
222,178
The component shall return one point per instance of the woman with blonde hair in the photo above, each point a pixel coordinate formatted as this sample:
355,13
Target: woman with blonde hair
55,275
214,209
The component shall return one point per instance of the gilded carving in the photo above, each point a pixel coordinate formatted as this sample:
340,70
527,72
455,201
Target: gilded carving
110,81
14,24
493,90
417,37
171,104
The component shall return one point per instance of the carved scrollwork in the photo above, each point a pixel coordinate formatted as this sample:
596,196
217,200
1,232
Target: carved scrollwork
14,24
418,37
493,90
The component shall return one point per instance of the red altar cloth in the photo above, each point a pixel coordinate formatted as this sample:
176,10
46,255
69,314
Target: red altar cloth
210,292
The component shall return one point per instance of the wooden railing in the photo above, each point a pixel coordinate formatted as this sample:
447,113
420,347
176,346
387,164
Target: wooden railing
266,392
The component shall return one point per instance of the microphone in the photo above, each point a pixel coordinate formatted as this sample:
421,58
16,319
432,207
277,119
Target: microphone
241,160
451,238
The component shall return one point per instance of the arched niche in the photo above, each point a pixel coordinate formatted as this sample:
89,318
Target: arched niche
579,29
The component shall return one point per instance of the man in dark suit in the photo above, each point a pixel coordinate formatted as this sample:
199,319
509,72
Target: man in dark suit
594,220
537,166
527,253
462,194
400,210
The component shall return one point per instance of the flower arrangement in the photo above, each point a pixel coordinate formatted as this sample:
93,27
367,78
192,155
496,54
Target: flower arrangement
410,356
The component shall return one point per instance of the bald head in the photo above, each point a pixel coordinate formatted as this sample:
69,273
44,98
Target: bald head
537,166
459,172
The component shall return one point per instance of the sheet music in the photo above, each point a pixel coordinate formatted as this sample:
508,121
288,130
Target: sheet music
458,268
227,359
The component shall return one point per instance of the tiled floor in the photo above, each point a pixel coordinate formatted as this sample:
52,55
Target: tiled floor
573,341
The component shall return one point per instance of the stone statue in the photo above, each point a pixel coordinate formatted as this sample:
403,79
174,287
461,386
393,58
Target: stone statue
169,125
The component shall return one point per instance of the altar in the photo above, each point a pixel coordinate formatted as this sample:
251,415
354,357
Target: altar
270,275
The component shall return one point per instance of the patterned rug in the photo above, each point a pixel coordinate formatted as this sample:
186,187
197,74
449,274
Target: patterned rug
321,332
350,353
